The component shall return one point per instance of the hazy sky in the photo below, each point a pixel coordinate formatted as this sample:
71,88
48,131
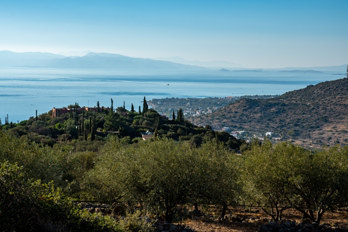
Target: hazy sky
250,33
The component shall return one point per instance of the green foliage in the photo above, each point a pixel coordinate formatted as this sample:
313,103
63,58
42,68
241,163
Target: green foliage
93,129
215,176
180,117
196,141
318,182
42,163
136,222
145,106
70,128
283,175
63,164
111,122
27,205
162,174
264,178
74,106
112,106
96,125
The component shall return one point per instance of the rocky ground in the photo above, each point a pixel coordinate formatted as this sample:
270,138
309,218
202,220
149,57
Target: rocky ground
244,219
241,220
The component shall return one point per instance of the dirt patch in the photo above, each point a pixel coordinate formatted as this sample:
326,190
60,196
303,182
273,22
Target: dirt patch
239,219
202,226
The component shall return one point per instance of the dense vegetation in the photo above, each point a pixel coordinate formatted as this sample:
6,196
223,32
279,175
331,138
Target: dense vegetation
49,165
285,176
161,178
30,205
196,106
88,130
315,115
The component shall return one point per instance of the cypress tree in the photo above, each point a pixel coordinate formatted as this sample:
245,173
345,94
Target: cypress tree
112,106
6,119
173,115
124,105
93,130
36,115
145,106
139,110
98,106
76,118
132,108
156,129
79,129
180,115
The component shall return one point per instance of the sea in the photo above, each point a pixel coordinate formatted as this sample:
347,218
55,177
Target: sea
23,91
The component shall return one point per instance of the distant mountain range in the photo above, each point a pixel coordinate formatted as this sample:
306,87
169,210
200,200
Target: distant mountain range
103,62
27,59
316,115
119,64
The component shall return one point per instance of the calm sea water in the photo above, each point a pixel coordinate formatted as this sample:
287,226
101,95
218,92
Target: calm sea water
21,92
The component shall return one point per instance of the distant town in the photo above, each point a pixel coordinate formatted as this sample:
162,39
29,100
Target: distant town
193,107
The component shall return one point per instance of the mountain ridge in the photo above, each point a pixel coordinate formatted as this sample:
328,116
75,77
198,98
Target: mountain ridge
105,60
313,116
94,61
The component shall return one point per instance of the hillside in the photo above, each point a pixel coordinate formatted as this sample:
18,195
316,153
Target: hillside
88,128
314,116
196,106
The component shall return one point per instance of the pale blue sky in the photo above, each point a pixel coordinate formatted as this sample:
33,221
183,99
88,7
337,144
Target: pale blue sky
249,33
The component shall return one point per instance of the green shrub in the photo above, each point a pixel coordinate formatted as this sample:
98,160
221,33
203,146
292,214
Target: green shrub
136,222
28,205
284,175
163,174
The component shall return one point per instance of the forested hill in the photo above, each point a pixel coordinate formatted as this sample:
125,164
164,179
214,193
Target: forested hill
89,128
316,115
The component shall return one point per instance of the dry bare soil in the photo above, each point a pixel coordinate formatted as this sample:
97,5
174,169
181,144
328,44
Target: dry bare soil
253,218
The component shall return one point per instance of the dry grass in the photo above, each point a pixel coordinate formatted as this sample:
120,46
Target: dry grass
252,218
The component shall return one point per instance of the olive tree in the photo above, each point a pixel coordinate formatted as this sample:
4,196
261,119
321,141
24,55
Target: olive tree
284,175
217,176
160,175
39,162
318,182
264,178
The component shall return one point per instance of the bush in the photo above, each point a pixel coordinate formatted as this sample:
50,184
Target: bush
283,175
136,222
163,174
28,205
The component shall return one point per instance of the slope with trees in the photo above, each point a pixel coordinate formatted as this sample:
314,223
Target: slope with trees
315,115
283,176
163,178
88,130
49,164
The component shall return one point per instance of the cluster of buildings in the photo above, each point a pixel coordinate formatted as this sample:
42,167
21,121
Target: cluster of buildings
249,136
59,111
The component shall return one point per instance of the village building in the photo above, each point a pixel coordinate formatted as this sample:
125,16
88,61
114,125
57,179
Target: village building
147,135
59,111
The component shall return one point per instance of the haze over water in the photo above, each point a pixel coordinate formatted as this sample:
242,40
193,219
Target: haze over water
22,92
220,34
